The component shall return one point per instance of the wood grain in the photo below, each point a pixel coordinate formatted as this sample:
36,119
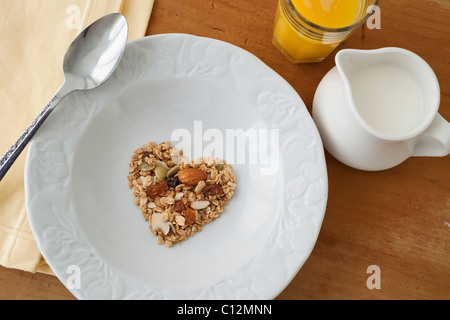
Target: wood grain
397,219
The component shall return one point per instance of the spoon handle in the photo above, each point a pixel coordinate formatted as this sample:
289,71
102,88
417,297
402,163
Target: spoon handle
11,155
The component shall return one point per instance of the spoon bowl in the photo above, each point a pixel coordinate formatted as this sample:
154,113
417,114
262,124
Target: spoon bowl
95,53
89,61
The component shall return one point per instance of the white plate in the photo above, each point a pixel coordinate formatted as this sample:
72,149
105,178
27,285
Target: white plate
81,210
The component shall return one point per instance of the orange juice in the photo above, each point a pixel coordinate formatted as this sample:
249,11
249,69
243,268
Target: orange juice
308,30
328,13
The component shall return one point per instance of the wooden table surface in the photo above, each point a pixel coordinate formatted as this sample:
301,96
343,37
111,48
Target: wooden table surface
397,219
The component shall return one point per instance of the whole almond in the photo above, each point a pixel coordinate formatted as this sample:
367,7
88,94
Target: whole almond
191,176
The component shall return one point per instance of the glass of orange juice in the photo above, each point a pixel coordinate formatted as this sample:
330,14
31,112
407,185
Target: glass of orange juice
309,30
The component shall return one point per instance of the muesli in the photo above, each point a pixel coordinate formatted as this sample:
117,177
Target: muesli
176,196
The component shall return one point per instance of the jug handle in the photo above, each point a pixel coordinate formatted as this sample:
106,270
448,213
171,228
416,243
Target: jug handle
435,141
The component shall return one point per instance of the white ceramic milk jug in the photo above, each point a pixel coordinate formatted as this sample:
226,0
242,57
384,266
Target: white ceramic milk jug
377,108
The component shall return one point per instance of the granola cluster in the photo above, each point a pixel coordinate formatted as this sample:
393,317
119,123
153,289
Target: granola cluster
175,196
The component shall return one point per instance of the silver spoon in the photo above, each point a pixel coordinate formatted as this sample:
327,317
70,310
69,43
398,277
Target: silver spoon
90,60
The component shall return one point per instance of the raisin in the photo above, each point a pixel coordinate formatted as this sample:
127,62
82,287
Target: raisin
157,189
179,206
213,190
189,215
173,182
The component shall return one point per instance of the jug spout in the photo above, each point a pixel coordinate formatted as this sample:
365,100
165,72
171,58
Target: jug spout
349,60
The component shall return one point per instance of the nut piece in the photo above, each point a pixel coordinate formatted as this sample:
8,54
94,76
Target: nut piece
173,171
144,166
157,189
158,224
179,195
162,164
160,173
199,205
213,190
191,176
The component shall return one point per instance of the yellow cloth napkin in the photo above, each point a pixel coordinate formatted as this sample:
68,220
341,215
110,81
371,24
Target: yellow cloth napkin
35,35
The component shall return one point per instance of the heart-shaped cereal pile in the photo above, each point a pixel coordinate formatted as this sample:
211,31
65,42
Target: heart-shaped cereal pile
178,199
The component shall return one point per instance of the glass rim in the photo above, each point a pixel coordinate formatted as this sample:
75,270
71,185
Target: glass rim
326,29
